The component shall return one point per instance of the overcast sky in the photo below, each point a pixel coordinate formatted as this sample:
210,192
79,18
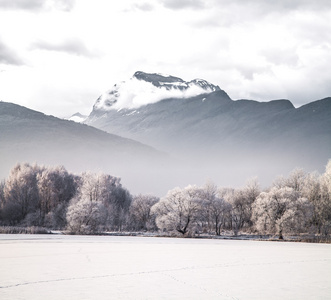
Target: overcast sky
58,56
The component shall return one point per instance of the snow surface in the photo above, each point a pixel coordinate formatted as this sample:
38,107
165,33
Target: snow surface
109,267
135,93
77,119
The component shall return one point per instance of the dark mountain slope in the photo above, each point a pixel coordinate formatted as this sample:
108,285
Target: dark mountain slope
207,121
30,136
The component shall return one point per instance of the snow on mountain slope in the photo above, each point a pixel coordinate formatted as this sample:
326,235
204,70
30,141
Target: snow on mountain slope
144,88
77,117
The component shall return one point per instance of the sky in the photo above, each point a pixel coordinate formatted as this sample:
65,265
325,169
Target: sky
58,56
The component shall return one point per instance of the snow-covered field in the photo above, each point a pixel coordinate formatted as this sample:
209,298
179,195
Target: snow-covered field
101,267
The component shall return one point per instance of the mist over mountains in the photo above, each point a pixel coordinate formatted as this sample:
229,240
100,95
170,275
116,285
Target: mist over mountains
216,134
199,132
30,136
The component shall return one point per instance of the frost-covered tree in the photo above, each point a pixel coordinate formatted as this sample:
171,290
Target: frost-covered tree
220,212
312,191
56,187
178,211
98,192
281,210
325,201
214,210
86,212
2,198
296,180
141,216
313,187
20,193
242,201
85,216
207,196
118,204
327,176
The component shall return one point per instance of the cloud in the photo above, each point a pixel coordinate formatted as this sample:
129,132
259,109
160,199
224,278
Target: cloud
183,4
65,5
144,6
135,93
22,4
280,5
71,46
35,5
224,13
8,56
280,56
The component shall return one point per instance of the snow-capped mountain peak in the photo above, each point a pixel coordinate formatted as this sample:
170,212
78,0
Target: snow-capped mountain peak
145,88
77,117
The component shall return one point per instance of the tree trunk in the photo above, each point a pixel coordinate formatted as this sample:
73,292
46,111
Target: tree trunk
184,230
280,237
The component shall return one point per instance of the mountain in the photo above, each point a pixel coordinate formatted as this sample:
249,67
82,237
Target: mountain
77,117
199,123
145,88
30,136
203,134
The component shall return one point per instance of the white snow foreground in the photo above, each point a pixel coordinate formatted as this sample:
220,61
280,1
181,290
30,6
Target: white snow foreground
102,267
137,92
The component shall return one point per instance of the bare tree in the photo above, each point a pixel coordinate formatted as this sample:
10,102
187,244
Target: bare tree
241,201
220,212
141,216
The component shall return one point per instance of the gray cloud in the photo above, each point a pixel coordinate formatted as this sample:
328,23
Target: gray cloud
73,46
183,4
279,5
8,56
224,13
22,4
257,7
35,5
299,4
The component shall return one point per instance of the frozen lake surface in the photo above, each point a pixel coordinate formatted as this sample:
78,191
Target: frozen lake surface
108,267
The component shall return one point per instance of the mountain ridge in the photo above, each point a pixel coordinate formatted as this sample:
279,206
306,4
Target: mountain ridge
205,135
30,136
212,129
145,88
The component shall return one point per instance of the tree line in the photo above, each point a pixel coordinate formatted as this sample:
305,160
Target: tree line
92,203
